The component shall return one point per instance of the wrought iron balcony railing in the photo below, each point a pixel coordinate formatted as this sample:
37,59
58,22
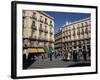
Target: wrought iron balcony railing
34,27
51,32
41,20
46,22
41,29
34,17
46,30
51,24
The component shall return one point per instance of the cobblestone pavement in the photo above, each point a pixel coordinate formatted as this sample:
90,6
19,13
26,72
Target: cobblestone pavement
46,63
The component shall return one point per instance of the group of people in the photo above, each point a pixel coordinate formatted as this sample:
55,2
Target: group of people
75,55
81,55
72,55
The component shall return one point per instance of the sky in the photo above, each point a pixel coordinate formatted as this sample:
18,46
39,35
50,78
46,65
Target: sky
62,17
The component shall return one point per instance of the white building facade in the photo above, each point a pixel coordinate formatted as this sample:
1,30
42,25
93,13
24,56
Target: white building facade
38,29
76,35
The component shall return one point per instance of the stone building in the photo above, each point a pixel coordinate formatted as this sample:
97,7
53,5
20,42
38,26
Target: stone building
38,29
75,35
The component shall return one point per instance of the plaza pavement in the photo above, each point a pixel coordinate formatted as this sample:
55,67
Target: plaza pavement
56,63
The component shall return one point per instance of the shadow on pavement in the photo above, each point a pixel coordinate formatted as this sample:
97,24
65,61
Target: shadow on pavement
80,64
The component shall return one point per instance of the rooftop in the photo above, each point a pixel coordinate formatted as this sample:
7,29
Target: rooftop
77,21
42,12
71,23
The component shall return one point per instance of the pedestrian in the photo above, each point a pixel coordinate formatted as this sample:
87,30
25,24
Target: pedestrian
42,55
77,52
68,56
50,56
74,55
80,55
55,54
84,54
89,52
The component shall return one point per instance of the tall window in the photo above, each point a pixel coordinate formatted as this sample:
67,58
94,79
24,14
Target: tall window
41,19
45,20
50,23
82,25
33,24
34,14
74,31
86,24
41,27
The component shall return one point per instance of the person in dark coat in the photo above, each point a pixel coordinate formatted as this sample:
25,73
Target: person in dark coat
89,52
55,54
84,54
74,55
50,56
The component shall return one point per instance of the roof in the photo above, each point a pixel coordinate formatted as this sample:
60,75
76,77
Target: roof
78,21
46,14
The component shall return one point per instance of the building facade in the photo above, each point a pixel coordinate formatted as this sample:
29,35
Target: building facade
76,35
58,41
38,29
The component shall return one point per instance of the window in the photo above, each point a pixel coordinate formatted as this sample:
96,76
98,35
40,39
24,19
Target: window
86,24
51,23
41,29
78,32
73,28
33,24
34,13
34,16
45,20
82,25
86,30
40,17
89,23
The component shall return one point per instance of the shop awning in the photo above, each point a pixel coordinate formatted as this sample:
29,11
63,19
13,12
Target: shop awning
49,50
32,50
40,50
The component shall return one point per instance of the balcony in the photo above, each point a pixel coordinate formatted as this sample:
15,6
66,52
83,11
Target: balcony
46,22
51,32
41,20
46,31
74,33
82,32
41,29
78,32
33,37
41,38
51,40
34,27
86,25
24,17
51,24
86,30
46,39
64,36
34,17
69,34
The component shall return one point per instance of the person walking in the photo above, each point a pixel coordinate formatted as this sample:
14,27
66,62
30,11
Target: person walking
74,55
55,54
84,54
50,56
